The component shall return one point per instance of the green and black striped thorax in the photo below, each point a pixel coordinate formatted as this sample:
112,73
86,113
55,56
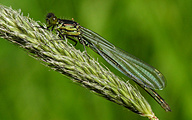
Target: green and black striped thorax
64,27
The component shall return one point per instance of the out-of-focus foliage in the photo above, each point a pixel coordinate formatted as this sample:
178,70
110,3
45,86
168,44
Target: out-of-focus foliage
158,32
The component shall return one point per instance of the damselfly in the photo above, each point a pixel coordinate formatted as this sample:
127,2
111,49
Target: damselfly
146,76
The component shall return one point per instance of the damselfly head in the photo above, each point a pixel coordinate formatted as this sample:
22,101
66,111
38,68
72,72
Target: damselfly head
51,19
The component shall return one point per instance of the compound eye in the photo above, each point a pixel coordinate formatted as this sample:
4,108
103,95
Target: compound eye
49,15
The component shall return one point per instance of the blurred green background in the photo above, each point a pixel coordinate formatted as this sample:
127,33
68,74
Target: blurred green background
158,32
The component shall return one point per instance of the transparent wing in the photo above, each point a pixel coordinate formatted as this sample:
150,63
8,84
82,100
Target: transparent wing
134,68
